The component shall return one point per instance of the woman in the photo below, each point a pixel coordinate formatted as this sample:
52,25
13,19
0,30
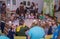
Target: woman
36,32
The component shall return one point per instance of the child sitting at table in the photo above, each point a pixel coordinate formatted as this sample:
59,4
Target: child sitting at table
22,16
32,16
41,16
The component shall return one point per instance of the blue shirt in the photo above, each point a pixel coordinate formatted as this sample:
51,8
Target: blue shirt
56,33
11,34
36,33
3,37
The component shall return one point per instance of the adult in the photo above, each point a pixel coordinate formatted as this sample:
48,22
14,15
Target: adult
36,32
32,8
36,8
20,9
3,9
59,4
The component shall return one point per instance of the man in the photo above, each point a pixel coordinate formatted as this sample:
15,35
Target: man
20,10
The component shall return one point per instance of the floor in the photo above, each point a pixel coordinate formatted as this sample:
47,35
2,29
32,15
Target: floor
23,37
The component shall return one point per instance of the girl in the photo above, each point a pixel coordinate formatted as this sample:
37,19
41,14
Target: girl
32,16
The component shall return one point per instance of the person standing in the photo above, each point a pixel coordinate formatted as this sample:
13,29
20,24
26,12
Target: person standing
20,10
3,9
36,32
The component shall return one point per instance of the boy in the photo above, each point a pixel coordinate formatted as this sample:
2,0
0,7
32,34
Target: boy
56,34
11,33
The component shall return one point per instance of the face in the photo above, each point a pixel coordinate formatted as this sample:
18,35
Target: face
32,14
21,14
50,23
12,18
13,27
36,14
3,5
53,22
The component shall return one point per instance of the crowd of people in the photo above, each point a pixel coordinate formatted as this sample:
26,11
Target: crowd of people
24,10
47,23
41,26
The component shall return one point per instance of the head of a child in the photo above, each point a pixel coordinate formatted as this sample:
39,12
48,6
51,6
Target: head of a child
32,14
13,27
46,16
12,16
49,23
54,22
21,22
26,14
3,5
22,14
36,14
40,14
43,24
50,18
21,4
34,23
39,22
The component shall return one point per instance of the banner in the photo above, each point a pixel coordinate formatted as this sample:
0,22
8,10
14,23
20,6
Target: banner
48,7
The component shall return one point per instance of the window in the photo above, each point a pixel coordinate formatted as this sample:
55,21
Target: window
24,2
0,4
14,2
8,1
28,3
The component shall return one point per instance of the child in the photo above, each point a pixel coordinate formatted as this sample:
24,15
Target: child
11,33
50,28
31,16
41,16
36,16
54,26
22,16
26,16
56,34
2,26
26,34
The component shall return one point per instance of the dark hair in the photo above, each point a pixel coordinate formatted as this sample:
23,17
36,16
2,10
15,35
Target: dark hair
21,22
21,3
12,13
3,4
